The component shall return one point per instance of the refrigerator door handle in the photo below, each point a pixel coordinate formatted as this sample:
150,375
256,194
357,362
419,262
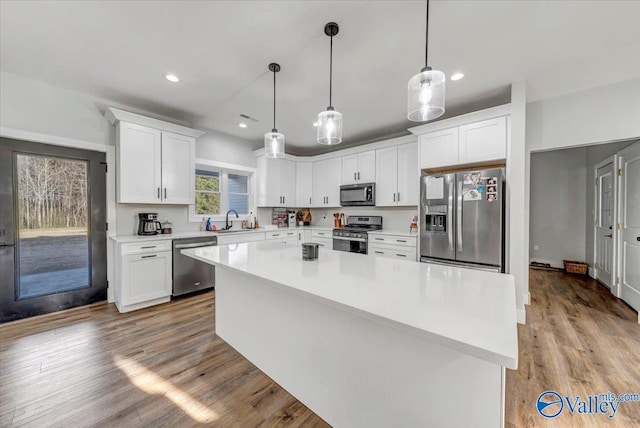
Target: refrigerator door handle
450,218
459,218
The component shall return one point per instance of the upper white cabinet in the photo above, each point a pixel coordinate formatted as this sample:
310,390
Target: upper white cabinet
327,178
304,183
155,160
359,168
397,175
471,143
276,182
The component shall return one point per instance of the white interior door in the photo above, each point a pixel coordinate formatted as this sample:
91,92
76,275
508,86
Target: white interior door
629,246
605,222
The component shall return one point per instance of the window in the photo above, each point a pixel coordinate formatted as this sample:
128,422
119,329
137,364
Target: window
221,187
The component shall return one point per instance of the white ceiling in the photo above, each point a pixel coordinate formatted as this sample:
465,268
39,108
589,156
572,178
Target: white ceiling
121,50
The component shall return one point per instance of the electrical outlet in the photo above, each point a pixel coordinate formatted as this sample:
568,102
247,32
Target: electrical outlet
536,247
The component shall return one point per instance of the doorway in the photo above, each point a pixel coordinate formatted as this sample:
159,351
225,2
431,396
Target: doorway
52,228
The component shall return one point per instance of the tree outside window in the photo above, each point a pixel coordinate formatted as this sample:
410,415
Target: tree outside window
219,190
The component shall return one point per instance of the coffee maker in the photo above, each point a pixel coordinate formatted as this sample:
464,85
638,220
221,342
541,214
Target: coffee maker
148,224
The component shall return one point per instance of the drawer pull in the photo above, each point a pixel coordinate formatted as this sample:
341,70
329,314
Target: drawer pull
401,255
148,257
378,252
276,234
400,240
150,246
379,239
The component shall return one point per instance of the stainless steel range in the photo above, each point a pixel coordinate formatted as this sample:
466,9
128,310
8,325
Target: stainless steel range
353,238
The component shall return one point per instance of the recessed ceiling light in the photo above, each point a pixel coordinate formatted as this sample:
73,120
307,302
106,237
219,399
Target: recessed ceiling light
172,78
315,124
457,76
242,125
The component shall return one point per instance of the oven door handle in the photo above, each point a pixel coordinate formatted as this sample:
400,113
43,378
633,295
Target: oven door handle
342,238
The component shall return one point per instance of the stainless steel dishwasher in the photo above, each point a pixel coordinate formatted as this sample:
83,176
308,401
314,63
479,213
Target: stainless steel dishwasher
189,274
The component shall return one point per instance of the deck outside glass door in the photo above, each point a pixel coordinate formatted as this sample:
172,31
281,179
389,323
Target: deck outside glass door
52,228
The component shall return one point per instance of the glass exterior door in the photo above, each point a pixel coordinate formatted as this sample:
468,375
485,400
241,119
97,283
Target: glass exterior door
52,228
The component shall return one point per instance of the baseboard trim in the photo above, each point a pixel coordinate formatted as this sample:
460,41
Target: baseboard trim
521,315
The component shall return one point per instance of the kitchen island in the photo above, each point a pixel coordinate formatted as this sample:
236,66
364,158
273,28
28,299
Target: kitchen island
368,341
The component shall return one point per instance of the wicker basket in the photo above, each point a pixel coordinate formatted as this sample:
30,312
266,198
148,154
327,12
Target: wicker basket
575,267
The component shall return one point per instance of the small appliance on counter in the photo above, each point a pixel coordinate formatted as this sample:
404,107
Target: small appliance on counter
310,250
148,224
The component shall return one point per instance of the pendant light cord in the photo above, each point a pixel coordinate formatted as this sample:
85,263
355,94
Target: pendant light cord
274,100
330,69
426,44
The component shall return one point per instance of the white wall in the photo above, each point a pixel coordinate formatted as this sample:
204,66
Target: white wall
557,206
28,105
603,114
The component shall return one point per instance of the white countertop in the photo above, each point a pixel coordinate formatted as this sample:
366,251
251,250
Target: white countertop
197,234
467,310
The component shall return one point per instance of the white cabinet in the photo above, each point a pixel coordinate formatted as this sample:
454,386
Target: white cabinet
483,141
154,166
240,237
397,175
359,168
276,182
439,148
143,274
393,246
324,237
285,236
476,142
327,178
304,183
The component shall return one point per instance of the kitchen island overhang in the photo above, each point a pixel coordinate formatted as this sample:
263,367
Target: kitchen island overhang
367,341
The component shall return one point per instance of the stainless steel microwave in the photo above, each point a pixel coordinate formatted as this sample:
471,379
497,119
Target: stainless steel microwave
363,194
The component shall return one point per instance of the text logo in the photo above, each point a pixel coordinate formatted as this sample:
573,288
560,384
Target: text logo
549,404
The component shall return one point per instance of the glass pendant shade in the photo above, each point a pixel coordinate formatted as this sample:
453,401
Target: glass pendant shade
329,127
274,144
426,96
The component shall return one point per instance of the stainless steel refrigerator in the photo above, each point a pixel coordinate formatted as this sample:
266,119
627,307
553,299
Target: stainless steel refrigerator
462,219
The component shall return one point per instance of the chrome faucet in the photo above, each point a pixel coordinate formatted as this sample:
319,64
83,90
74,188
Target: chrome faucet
226,222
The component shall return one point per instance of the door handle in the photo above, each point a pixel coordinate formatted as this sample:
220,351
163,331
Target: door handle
398,196
354,176
165,193
394,197
459,217
450,217
158,193
7,245
358,176
608,236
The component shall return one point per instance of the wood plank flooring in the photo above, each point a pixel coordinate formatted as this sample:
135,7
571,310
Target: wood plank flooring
164,366
579,340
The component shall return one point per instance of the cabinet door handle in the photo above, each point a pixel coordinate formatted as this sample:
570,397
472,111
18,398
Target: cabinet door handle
158,193
398,196
165,193
394,197
309,200
321,233
284,200
148,257
401,255
147,247
354,176
358,176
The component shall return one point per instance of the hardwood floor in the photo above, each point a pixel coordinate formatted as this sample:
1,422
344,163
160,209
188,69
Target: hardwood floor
578,340
164,366
161,366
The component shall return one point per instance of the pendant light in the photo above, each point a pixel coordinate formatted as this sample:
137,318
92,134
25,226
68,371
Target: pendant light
330,121
426,89
274,141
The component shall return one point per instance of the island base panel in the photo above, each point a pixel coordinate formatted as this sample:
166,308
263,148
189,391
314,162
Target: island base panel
349,368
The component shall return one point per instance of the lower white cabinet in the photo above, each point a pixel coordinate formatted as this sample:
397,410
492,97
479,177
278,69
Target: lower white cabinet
285,236
324,237
393,246
143,274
